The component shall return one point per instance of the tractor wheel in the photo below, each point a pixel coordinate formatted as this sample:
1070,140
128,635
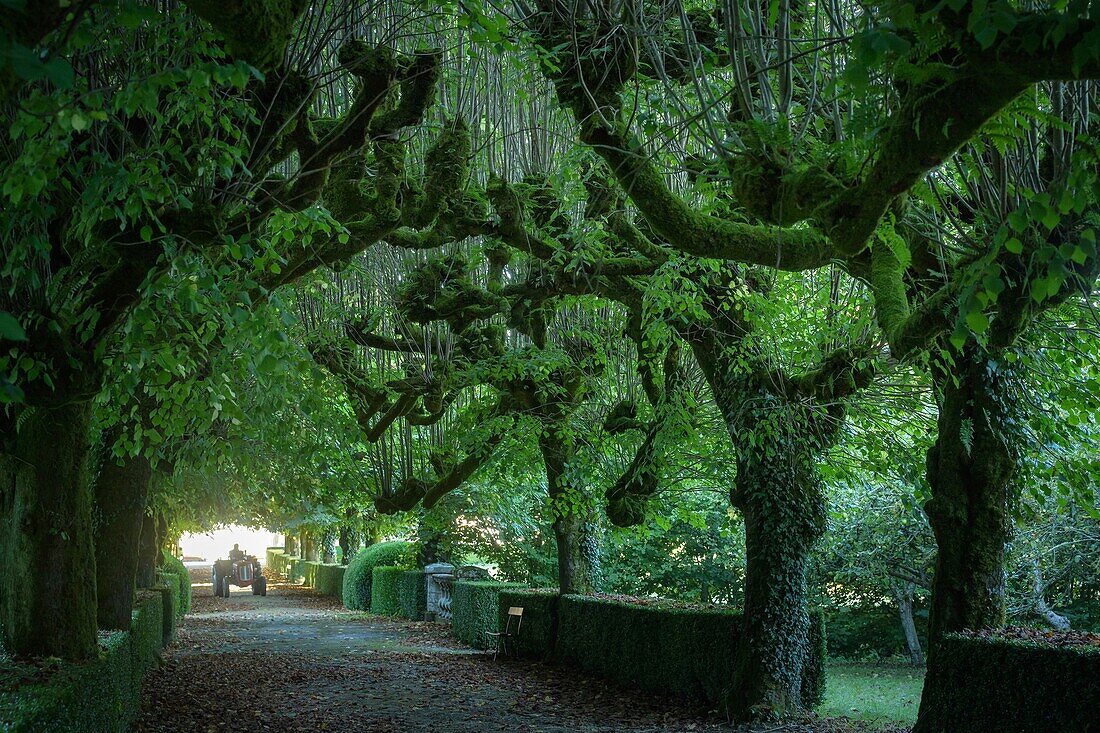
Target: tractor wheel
225,587
262,580
256,587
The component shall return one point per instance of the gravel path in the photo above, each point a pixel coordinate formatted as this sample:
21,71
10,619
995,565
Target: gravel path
296,661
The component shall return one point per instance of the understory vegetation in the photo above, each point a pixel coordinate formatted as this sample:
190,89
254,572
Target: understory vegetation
781,312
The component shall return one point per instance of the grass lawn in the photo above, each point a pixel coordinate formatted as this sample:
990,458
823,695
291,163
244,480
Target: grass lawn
873,693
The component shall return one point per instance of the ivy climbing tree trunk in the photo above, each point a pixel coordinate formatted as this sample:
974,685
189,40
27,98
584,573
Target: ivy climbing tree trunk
778,492
121,489
48,587
578,559
970,470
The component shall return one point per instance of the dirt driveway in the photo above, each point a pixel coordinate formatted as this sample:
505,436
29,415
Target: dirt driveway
297,661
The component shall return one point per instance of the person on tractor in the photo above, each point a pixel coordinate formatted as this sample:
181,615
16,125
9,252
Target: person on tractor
236,553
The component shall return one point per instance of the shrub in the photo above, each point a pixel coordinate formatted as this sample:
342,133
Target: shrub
269,559
174,565
168,586
97,696
310,575
866,632
538,630
687,651
474,606
385,593
1011,686
330,580
412,594
357,577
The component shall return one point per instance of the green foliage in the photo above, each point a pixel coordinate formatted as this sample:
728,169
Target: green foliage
168,585
329,579
474,607
413,595
385,591
536,636
868,632
98,696
174,566
688,651
359,574
1010,685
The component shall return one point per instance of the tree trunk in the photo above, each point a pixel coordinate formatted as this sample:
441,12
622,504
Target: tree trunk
48,583
904,595
970,471
970,468
578,553
148,553
121,488
779,495
349,542
1039,606
328,546
290,544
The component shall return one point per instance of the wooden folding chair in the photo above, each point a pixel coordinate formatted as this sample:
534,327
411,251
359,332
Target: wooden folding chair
502,637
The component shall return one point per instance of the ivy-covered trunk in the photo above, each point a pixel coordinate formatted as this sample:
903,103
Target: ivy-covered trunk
48,583
778,492
970,470
121,489
577,552
148,553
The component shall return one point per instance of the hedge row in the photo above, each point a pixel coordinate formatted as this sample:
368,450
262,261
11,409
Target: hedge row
357,578
538,628
168,586
172,564
413,595
282,566
385,597
474,610
309,575
1011,686
664,648
329,579
98,696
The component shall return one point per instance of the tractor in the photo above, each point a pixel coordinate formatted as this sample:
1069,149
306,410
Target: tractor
240,571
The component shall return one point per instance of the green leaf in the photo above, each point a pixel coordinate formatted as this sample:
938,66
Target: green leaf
10,329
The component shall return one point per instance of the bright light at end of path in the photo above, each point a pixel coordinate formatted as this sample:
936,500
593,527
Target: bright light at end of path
212,545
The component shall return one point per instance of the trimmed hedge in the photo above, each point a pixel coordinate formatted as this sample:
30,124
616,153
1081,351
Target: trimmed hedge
285,567
98,696
538,630
270,553
385,593
174,565
412,593
357,578
1011,686
310,575
474,608
683,651
168,587
329,580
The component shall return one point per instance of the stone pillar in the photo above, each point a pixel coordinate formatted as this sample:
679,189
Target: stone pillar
432,575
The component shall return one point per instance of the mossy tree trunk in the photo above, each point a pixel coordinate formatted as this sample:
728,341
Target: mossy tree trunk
577,553
290,543
148,553
970,472
971,468
778,492
328,545
121,489
777,433
48,586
